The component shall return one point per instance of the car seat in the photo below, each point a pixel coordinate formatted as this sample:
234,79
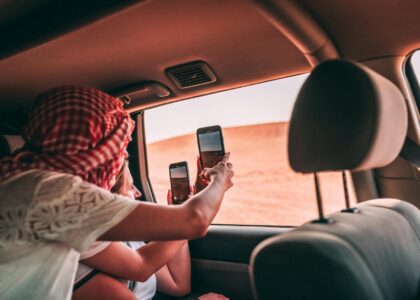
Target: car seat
346,117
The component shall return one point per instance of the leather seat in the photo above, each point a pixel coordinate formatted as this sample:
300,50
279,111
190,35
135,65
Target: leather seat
346,117
370,255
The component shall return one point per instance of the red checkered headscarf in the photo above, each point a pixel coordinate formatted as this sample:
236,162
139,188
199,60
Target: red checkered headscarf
75,130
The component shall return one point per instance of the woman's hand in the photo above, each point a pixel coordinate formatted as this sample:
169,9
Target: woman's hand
222,172
170,199
212,296
200,182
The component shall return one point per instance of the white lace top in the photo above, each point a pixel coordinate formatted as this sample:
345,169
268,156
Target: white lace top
46,219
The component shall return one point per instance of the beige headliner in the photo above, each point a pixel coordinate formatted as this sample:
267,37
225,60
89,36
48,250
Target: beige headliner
240,45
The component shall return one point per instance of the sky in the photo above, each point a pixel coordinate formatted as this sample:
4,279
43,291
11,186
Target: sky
257,104
415,60
179,172
210,141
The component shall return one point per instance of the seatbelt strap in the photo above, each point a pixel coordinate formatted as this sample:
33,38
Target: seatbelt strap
131,283
411,152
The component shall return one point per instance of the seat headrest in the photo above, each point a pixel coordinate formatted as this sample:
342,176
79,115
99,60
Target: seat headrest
346,117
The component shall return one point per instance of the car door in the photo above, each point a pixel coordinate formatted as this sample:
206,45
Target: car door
220,260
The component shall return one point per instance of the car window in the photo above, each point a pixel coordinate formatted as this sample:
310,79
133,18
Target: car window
255,125
413,74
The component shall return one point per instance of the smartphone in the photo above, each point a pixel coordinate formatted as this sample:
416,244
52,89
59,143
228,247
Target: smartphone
210,145
180,182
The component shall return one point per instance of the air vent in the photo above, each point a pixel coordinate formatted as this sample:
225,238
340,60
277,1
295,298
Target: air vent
191,75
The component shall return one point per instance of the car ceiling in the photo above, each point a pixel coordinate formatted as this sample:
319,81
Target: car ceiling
137,42
367,29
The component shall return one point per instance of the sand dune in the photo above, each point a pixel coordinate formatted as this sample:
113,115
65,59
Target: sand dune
266,190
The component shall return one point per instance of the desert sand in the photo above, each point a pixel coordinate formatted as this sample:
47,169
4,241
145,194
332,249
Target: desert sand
266,190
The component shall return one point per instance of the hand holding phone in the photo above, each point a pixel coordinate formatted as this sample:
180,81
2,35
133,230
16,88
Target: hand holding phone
210,145
200,182
223,170
180,182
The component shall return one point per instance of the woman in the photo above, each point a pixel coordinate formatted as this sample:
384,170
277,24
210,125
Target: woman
105,261
55,198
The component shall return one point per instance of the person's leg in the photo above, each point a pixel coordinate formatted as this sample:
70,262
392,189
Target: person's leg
103,287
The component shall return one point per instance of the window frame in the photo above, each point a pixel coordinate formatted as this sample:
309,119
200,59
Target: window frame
138,158
141,169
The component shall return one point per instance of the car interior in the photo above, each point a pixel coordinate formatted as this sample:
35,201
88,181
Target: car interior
356,114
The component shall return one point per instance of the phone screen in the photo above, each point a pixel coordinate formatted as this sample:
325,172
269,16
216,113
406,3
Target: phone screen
180,185
211,147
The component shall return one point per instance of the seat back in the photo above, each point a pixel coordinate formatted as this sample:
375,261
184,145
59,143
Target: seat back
374,254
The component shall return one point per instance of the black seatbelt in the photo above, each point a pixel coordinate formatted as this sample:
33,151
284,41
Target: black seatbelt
411,152
131,283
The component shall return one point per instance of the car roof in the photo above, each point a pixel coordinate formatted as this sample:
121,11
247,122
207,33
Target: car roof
111,45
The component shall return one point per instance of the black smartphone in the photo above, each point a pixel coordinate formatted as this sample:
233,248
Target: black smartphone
210,145
180,182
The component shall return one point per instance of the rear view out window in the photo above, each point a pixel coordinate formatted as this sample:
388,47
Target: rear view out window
414,75
255,124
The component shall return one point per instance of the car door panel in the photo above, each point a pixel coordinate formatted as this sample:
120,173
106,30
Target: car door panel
220,260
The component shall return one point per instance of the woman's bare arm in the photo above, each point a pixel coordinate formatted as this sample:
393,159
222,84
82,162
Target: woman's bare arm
175,277
187,221
121,261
